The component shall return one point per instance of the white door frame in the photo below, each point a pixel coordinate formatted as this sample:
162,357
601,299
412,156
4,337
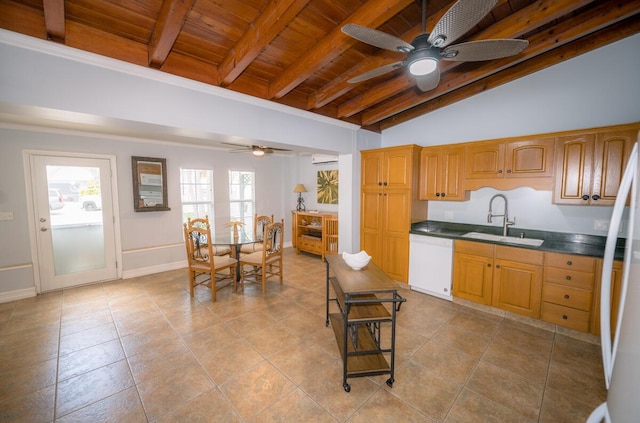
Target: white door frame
30,193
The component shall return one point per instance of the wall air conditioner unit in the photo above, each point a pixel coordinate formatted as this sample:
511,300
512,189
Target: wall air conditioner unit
323,158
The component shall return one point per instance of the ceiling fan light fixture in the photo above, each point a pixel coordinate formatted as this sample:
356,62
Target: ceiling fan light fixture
423,66
258,152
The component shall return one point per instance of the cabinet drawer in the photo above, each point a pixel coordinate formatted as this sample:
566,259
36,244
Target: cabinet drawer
567,296
569,277
474,248
565,316
571,261
311,245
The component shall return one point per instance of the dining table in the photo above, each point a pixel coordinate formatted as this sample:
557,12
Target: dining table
235,240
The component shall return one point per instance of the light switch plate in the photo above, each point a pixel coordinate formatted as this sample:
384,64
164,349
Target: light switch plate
6,215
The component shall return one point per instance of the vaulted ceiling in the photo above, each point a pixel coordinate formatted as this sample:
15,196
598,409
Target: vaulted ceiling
294,52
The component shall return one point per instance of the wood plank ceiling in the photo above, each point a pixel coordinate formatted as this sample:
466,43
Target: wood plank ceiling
293,52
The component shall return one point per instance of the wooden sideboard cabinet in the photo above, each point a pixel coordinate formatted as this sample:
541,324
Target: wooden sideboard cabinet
310,233
589,165
388,205
509,164
567,293
441,173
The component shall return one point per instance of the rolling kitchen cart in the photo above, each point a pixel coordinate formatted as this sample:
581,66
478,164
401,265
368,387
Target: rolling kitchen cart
358,325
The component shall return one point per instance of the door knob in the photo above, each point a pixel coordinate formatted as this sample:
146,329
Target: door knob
44,229
43,219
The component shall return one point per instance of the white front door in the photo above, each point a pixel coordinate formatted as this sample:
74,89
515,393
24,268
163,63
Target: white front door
74,220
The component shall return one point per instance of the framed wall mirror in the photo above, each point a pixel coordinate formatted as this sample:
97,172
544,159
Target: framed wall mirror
149,184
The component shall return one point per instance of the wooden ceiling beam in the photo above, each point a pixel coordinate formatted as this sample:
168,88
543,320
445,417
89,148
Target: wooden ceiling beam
173,15
373,13
274,18
517,24
567,31
599,39
54,20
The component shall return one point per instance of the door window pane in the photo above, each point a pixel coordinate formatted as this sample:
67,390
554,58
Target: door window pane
242,198
196,186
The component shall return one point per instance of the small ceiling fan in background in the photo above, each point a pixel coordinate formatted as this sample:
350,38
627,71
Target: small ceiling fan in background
426,50
256,150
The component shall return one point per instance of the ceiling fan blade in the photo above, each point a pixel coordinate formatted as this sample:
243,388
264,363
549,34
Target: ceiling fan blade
429,81
459,19
376,38
376,72
264,147
246,147
483,50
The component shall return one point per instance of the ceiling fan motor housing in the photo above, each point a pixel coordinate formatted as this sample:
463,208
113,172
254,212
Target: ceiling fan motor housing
424,58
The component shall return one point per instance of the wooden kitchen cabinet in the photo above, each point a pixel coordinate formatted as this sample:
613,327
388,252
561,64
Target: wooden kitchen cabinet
309,232
441,173
473,271
567,293
517,280
507,164
589,165
388,205
509,278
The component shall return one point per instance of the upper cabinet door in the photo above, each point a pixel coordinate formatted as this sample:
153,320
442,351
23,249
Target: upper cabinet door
398,168
529,158
429,173
371,169
610,158
484,160
451,174
574,162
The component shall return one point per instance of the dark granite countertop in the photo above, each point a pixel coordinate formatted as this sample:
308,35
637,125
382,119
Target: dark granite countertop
559,242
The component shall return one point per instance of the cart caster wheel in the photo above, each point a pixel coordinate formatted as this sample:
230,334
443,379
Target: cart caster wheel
347,387
390,382
327,323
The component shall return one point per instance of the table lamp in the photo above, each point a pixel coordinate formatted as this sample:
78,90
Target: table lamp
300,189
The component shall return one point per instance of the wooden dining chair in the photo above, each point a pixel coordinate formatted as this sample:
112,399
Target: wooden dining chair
264,264
204,266
259,225
330,235
203,222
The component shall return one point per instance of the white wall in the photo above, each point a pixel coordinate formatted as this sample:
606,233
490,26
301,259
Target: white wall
599,88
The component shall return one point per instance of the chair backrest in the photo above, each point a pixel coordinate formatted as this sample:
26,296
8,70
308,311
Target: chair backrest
273,239
197,234
331,235
259,225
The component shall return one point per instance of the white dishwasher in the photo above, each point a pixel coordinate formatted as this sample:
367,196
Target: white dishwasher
430,265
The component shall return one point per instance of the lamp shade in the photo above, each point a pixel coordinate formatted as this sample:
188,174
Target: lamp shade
299,188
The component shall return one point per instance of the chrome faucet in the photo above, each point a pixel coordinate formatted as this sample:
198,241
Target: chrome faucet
505,216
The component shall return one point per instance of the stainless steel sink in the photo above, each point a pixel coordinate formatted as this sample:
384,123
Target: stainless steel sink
506,239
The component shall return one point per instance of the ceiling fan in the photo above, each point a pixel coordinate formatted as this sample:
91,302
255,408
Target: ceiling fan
256,150
426,50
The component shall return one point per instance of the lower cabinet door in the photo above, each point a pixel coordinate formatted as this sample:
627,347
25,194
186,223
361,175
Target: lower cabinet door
472,277
517,287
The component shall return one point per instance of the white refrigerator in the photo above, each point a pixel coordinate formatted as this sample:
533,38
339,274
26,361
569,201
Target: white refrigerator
621,357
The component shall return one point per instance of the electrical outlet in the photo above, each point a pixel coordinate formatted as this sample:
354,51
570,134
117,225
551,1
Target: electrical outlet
601,225
6,215
448,215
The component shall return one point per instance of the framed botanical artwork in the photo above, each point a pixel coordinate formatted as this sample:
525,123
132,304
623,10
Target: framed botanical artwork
149,184
328,187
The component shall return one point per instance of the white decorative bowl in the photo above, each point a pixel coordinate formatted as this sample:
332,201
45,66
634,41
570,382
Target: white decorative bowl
356,261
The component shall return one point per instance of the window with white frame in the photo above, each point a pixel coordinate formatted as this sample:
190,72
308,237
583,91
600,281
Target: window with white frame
242,198
196,187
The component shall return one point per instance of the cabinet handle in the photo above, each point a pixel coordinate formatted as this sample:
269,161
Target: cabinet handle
568,277
566,296
437,194
585,197
595,197
385,184
379,183
565,317
497,266
488,264
508,170
443,194
500,171
569,262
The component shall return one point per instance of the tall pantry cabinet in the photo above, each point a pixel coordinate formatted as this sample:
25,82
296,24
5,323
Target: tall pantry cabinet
388,205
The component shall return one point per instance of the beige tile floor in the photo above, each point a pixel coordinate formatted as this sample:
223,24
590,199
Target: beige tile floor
141,350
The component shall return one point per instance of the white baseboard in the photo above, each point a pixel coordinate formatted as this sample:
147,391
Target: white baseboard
143,271
20,294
